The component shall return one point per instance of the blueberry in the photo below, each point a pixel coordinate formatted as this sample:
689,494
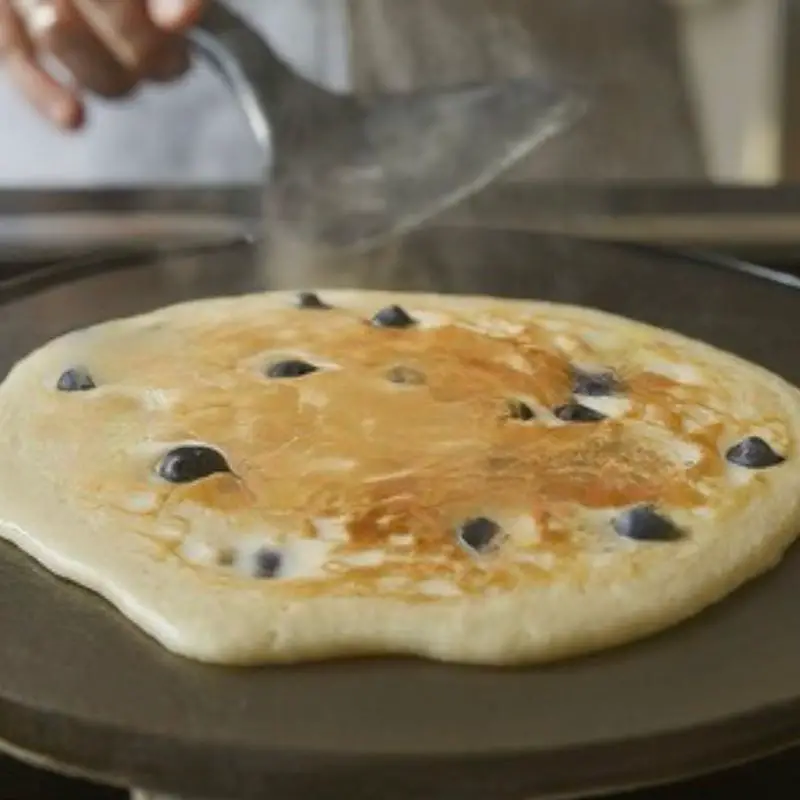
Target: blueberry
645,524
290,369
393,317
520,411
754,453
594,384
309,300
575,412
267,564
479,534
190,463
75,379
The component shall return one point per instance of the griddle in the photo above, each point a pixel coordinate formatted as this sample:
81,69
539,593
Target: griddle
83,690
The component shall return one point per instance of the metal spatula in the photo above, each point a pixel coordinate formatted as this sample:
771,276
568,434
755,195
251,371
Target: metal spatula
350,174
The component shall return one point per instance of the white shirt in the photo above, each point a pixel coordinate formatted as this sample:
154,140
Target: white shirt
186,133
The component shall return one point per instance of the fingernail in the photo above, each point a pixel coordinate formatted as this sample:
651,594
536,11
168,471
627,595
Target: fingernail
67,114
169,13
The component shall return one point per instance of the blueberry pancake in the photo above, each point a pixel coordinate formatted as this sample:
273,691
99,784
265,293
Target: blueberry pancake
286,477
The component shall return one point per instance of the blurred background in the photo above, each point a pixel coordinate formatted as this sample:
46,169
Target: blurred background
681,88
742,75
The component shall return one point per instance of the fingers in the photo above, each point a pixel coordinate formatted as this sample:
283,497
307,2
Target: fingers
128,33
175,15
67,37
58,103
109,47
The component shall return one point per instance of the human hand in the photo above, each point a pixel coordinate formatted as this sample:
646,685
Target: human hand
106,47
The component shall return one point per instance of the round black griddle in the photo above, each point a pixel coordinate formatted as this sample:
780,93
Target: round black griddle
81,687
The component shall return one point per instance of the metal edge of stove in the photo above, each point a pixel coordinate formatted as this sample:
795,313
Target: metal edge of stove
43,225
761,222
32,277
49,273
728,263
742,229
240,200
780,734
100,778
631,198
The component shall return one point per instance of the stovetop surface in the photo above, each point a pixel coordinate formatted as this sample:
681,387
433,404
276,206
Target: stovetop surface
767,778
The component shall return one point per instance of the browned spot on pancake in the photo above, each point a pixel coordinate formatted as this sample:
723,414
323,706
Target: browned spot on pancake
222,492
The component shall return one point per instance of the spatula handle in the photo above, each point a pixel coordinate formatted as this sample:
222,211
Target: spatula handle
264,84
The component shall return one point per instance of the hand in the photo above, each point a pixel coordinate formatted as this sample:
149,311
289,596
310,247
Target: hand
106,47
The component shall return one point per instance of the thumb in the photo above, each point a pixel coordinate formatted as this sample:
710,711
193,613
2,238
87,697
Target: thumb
175,15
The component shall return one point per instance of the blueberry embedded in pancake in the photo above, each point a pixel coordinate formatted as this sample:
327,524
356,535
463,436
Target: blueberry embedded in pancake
266,563
754,453
190,463
645,524
594,384
575,412
519,411
393,317
480,534
311,301
292,368
75,379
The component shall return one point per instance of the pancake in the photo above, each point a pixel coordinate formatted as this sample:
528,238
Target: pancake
281,477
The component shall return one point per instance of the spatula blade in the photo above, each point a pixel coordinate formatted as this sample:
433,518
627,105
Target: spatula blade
404,159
